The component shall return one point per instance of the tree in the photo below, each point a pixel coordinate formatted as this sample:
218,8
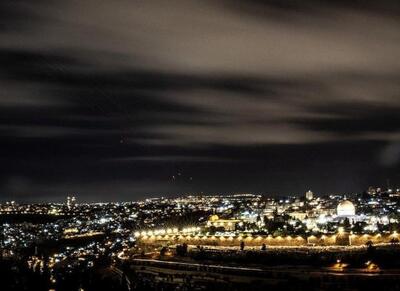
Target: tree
393,226
242,245
359,227
212,229
369,244
370,248
181,250
163,251
346,224
258,218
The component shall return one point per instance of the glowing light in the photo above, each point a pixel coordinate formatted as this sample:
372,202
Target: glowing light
371,267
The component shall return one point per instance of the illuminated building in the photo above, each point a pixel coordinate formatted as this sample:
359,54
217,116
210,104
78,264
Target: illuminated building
346,208
226,224
309,195
71,201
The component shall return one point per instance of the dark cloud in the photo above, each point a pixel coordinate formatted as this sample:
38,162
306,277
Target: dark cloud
116,98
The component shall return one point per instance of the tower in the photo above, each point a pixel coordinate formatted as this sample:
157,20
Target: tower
71,201
309,195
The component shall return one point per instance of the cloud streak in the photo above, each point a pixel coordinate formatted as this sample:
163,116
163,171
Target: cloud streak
145,81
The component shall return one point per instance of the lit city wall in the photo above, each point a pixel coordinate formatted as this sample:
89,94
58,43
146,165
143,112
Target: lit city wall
259,240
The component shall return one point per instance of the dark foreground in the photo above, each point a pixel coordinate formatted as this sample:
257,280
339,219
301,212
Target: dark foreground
217,270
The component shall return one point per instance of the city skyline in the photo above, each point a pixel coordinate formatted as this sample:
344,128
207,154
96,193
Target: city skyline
124,101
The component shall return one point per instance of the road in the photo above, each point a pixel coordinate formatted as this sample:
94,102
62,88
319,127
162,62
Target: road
292,270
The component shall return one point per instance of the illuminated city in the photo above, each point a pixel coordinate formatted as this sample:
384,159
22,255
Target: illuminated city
54,238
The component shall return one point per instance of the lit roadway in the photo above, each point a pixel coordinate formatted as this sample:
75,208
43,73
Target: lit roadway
246,271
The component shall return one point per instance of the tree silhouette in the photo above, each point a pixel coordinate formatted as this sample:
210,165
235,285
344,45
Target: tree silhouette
181,250
242,245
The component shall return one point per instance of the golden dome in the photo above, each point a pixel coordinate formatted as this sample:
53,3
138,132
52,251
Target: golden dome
346,208
213,218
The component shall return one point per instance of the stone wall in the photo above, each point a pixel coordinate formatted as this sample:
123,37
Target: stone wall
251,240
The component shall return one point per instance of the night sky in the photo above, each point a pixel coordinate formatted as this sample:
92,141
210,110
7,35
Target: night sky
122,100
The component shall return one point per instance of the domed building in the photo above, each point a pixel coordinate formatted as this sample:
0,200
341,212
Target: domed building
226,224
346,208
213,218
